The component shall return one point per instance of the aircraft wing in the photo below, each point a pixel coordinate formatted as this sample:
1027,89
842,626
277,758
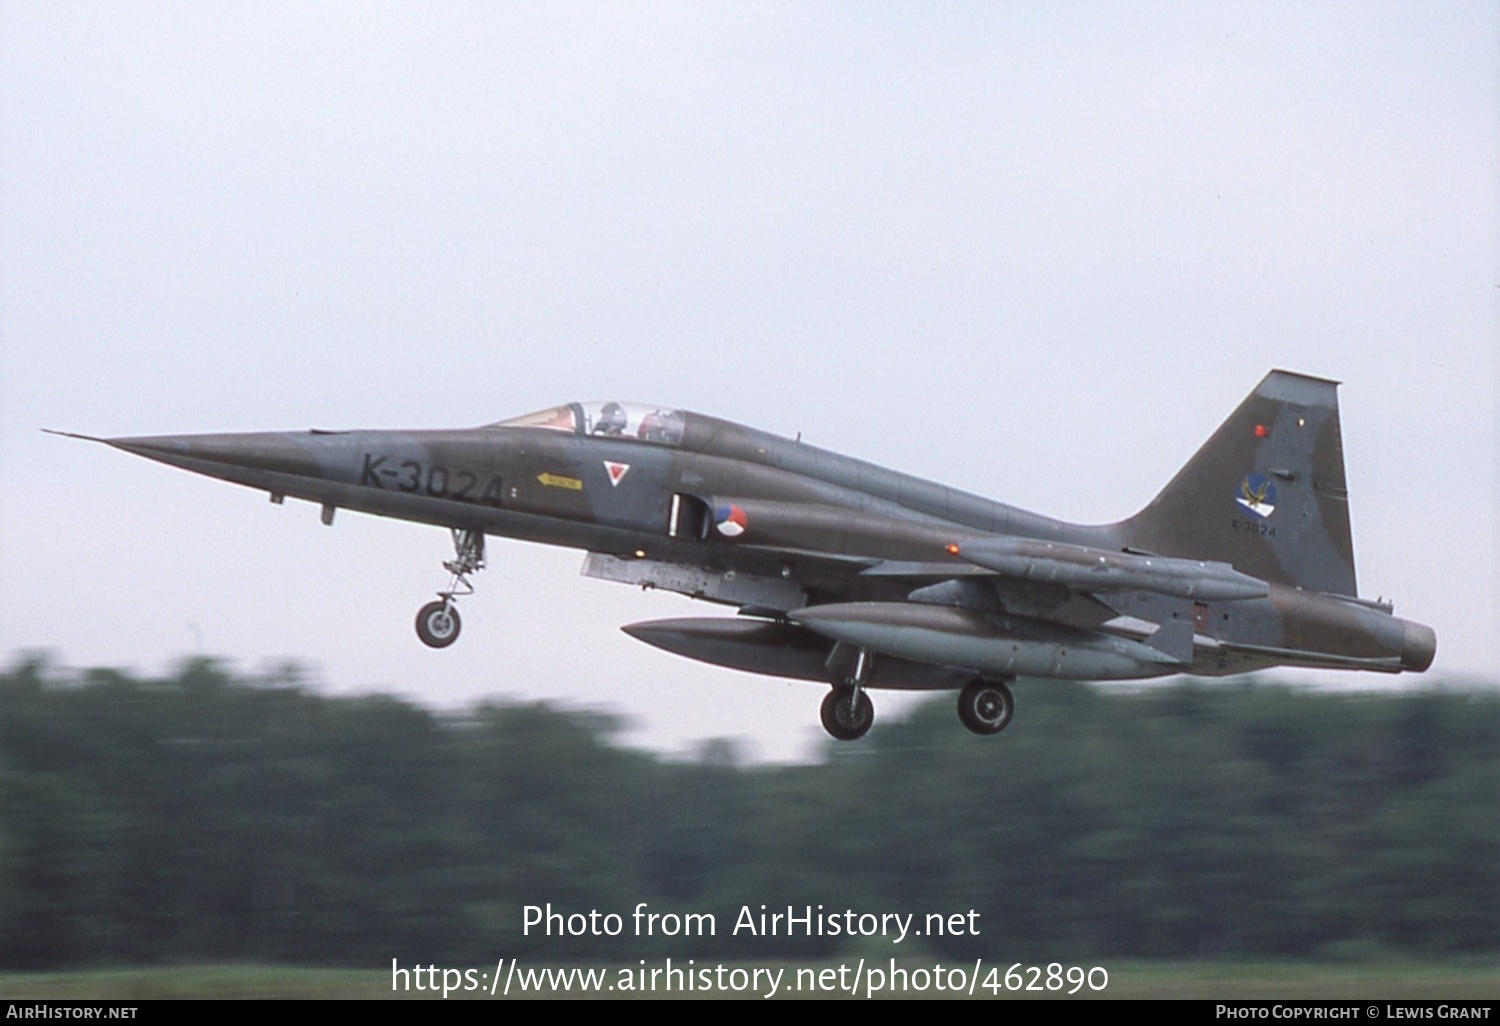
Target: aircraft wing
875,544
1098,571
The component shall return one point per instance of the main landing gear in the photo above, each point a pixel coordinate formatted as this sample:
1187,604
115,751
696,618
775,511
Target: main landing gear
986,706
438,623
847,710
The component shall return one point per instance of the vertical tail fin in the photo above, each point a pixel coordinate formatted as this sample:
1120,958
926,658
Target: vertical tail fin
1265,493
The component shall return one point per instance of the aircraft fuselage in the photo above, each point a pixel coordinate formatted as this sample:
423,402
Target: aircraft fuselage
870,578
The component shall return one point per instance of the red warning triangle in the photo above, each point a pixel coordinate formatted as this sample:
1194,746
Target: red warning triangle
617,472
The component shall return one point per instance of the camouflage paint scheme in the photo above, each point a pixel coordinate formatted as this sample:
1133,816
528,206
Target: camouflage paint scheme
848,573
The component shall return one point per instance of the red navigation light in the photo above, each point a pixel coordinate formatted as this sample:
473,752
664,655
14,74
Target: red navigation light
1261,431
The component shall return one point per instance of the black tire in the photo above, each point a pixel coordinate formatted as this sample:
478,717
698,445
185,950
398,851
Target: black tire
986,706
847,719
438,624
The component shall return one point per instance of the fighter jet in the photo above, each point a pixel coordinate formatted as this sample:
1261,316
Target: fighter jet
864,578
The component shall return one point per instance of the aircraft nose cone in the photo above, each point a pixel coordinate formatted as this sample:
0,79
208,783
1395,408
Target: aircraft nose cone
256,451
1418,646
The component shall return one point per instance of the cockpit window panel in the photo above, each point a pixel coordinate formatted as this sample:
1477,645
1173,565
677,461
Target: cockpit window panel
558,418
640,422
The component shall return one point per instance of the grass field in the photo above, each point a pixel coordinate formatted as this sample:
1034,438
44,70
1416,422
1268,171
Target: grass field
1362,982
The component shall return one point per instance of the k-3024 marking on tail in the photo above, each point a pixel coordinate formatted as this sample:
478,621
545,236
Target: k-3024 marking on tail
863,578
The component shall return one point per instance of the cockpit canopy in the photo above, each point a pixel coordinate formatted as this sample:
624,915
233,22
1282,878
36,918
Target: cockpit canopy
635,421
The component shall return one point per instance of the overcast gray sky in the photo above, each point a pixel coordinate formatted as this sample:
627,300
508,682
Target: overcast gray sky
1036,251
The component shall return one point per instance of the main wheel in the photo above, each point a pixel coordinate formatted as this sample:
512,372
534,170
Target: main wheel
844,717
438,624
986,706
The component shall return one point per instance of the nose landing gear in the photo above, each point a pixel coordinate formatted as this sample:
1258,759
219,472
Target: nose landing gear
438,622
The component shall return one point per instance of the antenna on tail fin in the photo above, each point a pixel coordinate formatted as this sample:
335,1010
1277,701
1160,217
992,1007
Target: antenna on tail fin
1266,493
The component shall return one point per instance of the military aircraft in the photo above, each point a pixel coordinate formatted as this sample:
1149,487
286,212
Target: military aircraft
864,578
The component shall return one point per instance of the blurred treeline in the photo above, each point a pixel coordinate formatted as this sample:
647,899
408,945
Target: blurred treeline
203,818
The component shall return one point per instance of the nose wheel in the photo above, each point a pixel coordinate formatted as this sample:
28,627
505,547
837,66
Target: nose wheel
438,623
